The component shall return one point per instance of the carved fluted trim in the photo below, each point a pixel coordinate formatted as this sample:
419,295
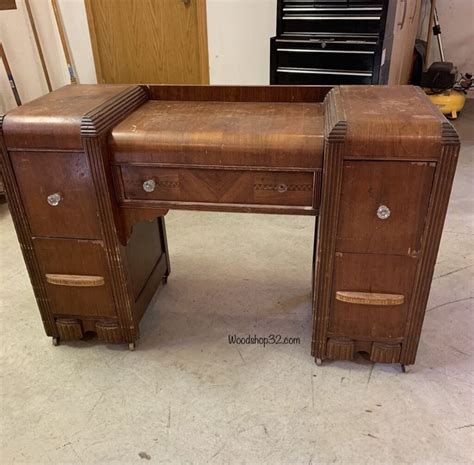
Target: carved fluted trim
442,185
109,332
335,132
449,135
96,150
69,329
335,124
340,349
102,118
23,231
385,353
332,183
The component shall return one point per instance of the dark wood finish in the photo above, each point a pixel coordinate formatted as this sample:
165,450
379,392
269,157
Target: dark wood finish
97,258
143,251
407,152
218,186
81,242
7,5
54,120
264,134
271,94
76,214
2,186
69,329
385,274
404,187
67,257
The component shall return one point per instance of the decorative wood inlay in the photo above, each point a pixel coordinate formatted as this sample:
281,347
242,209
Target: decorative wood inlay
75,280
335,127
370,298
442,185
24,237
340,349
109,332
169,184
69,329
385,353
289,187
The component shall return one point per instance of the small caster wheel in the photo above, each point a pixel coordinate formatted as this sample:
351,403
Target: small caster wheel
131,346
319,362
405,368
164,279
55,341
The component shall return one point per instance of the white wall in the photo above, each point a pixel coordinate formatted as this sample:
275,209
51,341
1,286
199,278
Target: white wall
18,41
239,34
457,31
238,37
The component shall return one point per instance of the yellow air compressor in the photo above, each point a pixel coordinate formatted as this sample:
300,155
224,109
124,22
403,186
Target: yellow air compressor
450,102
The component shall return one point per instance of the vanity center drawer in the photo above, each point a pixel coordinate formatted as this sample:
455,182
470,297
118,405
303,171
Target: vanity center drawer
217,186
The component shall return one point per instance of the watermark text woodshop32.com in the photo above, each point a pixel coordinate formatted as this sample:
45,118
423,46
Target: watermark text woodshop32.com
271,339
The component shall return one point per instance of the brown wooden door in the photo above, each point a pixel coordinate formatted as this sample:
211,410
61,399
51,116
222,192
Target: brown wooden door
149,41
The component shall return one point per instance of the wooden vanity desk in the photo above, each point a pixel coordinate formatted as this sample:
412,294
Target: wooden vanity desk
91,170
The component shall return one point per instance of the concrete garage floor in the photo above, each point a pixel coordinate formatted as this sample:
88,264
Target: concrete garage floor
187,396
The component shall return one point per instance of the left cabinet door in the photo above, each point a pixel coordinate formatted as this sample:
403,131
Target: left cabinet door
58,193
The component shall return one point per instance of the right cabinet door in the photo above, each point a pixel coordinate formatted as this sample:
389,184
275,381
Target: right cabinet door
383,206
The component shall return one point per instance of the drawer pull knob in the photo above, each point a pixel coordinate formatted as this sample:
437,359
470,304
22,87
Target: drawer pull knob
282,188
383,212
149,185
75,280
370,298
54,199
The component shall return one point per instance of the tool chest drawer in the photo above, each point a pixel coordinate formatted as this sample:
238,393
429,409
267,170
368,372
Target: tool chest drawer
318,76
58,194
322,54
231,186
383,206
299,17
76,276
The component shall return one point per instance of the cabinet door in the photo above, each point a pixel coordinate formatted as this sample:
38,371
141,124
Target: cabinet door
58,194
383,206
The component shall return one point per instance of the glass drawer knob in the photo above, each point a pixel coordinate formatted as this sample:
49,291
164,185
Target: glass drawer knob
383,212
54,199
282,188
149,186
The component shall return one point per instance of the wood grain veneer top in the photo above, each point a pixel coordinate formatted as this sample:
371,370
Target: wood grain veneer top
396,121
53,120
222,133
